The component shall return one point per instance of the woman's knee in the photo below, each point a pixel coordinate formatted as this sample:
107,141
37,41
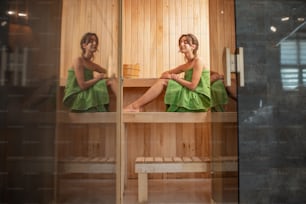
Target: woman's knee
163,82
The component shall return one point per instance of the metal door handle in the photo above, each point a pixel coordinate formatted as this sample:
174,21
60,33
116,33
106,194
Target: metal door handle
240,65
231,61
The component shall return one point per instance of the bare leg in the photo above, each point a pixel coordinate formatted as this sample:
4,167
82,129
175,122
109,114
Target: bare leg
113,83
147,97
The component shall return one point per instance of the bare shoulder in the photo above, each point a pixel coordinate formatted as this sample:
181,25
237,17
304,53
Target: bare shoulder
78,62
200,63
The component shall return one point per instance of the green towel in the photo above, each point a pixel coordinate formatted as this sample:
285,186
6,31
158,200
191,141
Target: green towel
93,99
219,96
181,99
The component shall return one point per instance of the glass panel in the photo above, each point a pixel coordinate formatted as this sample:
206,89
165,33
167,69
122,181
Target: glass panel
86,146
168,155
271,106
30,35
50,154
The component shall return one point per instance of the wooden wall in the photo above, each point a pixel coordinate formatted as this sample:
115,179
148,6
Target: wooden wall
81,16
151,29
222,32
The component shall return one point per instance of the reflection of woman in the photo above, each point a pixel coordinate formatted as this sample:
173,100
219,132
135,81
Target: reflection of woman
86,92
218,92
191,93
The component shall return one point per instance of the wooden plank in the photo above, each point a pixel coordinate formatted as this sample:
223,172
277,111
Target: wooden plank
177,159
139,159
159,38
196,159
153,39
175,117
149,159
187,159
142,187
147,117
175,167
143,82
86,118
168,159
74,167
164,117
158,159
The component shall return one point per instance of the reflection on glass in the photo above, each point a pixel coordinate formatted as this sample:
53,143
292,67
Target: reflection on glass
292,58
86,131
28,88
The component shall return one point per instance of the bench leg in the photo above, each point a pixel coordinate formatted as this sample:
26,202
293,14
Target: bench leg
142,187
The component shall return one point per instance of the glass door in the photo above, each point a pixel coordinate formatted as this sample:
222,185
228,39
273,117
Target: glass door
270,109
224,137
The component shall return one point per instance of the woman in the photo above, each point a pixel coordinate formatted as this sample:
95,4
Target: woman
188,94
86,91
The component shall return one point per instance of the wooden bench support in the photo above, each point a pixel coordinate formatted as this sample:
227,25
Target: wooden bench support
145,165
142,187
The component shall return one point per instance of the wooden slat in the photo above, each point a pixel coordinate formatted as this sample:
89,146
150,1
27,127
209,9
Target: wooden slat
171,117
168,159
147,117
179,165
87,165
158,159
177,159
149,159
196,159
86,118
144,82
90,16
187,159
139,159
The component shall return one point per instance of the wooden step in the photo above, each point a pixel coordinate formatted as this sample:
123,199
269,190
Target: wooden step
171,164
87,165
147,117
86,118
145,165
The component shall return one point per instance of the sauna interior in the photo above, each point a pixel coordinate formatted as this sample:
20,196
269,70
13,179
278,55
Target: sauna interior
97,152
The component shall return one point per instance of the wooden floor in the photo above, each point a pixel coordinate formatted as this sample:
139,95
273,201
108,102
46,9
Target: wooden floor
172,191
166,191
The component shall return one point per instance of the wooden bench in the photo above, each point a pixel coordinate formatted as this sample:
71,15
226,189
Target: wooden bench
86,118
87,165
147,117
145,165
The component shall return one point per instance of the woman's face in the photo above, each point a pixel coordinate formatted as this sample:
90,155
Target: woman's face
185,45
92,44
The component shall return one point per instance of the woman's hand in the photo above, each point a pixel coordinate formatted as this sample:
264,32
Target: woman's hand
175,76
100,76
165,75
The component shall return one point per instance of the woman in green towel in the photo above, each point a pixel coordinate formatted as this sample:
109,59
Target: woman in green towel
189,94
86,91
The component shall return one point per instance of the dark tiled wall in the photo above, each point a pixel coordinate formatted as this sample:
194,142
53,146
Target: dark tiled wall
272,127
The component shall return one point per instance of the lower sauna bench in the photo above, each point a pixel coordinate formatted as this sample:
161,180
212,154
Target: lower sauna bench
145,165
87,165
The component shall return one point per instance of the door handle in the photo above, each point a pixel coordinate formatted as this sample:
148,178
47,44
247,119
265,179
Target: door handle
240,66
230,66
231,61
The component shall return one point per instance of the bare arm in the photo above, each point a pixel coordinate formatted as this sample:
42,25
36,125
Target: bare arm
98,68
79,73
196,76
176,70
